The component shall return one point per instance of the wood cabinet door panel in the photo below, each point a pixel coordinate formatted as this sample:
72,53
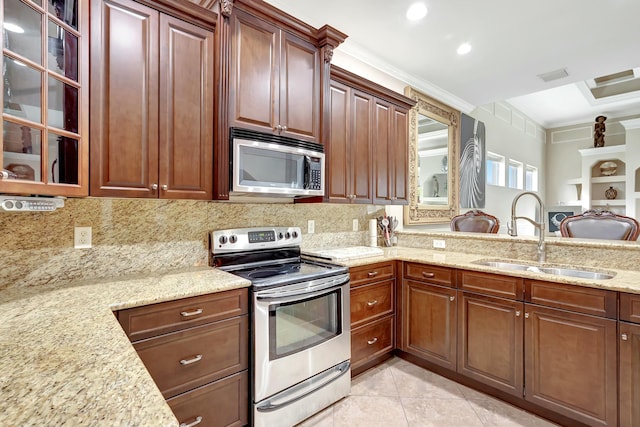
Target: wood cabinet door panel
429,273
629,375
186,110
371,273
597,302
372,340
371,301
630,307
255,73
490,334
428,325
223,403
571,364
338,146
382,150
124,88
492,284
400,155
187,359
361,141
157,319
300,88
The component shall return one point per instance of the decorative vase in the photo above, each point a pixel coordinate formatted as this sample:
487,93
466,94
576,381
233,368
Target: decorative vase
611,193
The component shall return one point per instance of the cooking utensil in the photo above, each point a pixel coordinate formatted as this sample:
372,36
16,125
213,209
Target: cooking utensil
385,225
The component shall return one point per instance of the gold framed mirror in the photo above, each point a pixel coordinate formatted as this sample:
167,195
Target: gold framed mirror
433,161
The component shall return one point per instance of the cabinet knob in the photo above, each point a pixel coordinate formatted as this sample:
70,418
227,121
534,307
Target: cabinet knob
278,128
624,337
526,315
195,422
372,341
165,187
284,128
452,298
517,313
154,186
372,303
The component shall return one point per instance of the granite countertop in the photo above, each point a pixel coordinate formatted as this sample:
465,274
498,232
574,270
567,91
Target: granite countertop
623,281
66,360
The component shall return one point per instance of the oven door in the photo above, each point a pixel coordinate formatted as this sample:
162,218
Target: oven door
300,330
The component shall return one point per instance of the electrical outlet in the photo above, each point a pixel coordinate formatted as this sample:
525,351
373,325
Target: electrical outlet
355,224
440,244
311,226
82,237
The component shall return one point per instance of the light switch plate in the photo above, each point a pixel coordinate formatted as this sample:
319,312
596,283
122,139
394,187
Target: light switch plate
311,226
355,224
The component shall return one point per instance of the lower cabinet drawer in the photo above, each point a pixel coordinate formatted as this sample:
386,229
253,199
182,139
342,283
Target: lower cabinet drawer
221,403
372,340
371,301
184,360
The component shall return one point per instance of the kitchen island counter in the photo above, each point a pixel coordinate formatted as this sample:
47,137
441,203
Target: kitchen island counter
66,360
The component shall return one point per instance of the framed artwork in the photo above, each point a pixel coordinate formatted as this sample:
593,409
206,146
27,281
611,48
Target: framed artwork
555,215
472,163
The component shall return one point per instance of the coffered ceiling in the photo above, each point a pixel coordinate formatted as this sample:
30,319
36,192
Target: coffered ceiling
512,43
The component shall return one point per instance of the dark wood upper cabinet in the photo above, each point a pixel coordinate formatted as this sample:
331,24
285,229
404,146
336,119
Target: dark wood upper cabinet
367,141
273,76
152,104
275,80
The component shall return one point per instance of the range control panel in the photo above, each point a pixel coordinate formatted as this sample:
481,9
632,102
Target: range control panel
30,204
244,239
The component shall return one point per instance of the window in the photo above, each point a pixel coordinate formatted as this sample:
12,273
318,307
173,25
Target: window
515,174
495,169
531,178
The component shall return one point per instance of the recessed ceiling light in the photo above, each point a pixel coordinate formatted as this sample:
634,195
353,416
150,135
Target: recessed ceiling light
464,48
416,11
13,27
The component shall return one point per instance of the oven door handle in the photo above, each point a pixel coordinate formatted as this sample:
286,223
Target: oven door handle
286,293
303,389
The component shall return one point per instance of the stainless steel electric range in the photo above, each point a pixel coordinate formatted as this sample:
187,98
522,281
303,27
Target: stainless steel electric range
300,334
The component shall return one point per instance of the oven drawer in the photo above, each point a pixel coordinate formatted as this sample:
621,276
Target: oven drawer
157,319
184,360
371,301
372,273
221,403
372,340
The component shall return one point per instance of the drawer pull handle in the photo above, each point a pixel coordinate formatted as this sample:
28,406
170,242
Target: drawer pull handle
372,303
517,313
372,341
191,313
624,337
195,422
185,362
452,298
373,273
428,275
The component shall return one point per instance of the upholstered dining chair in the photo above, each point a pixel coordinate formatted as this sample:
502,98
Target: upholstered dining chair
600,224
475,221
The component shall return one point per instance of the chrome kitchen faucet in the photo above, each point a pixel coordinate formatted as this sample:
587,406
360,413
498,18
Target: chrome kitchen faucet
512,226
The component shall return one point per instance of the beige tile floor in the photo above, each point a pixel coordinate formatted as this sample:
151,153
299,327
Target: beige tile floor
398,393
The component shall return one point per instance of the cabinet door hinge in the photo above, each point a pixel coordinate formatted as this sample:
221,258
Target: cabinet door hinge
524,391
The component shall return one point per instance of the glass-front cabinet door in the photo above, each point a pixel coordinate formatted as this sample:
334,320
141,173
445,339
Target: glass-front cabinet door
44,97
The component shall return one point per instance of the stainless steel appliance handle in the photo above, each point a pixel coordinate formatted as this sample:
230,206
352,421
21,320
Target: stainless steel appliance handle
288,293
304,388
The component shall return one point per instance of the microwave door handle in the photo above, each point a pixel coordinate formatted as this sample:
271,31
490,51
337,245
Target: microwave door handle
307,172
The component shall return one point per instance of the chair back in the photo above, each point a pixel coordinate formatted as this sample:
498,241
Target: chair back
597,224
475,221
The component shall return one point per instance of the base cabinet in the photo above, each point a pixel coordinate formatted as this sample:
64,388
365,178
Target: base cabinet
629,374
571,364
196,350
490,341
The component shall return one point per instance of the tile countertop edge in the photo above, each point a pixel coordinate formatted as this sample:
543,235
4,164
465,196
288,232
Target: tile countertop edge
624,280
66,359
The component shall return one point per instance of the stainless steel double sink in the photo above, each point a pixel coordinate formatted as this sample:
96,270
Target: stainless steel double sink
547,269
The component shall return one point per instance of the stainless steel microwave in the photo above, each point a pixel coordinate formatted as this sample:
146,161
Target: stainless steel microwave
266,165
